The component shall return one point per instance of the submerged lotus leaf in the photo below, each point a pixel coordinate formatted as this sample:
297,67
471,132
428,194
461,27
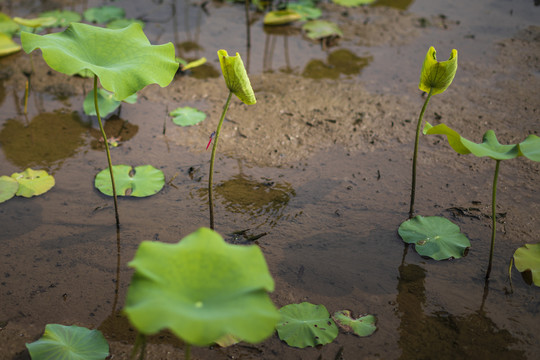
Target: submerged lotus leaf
281,17
69,343
236,77
8,46
527,258
489,147
104,14
530,148
201,289
363,326
306,324
33,182
437,76
319,29
36,22
8,188
353,3
435,237
146,180
106,103
63,17
123,59
187,116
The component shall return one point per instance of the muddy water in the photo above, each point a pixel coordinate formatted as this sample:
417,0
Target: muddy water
320,167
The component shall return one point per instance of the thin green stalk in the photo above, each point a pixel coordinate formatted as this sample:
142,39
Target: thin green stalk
187,351
108,153
212,159
415,155
493,217
140,342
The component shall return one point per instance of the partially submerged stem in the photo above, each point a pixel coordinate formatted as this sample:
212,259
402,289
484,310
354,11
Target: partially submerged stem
212,159
26,89
415,155
108,153
493,217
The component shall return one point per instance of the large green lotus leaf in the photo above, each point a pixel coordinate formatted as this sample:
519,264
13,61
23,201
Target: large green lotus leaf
527,258
353,3
319,29
146,180
363,326
8,188
437,76
61,342
7,25
33,182
187,116
306,9
106,103
201,289
281,17
63,17
123,59
435,237
236,77
530,148
306,324
8,46
104,14
489,147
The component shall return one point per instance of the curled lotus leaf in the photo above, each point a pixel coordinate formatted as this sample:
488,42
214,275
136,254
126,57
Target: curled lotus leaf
236,77
362,326
527,258
146,180
530,148
8,46
33,182
36,22
436,76
106,103
123,59
281,17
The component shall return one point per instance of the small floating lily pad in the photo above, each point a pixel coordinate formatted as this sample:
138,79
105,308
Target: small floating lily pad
145,181
281,17
8,188
435,237
187,116
306,324
362,326
104,14
319,29
69,343
33,182
527,258
106,102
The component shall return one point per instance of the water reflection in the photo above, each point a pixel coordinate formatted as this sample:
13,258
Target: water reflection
272,34
49,138
341,61
118,131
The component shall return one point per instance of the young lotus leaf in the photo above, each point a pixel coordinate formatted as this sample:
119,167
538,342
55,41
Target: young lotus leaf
192,64
530,148
146,180
281,17
104,14
33,182
236,77
122,23
8,188
353,3
201,289
8,46
106,103
319,29
35,23
187,116
69,343
7,25
306,9
63,17
123,59
435,237
527,258
437,76
363,326
306,324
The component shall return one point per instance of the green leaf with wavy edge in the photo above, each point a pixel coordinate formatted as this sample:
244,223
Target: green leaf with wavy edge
145,181
8,188
104,14
281,17
122,23
187,116
530,148
319,29
8,46
362,326
435,237
61,342
353,3
106,103
201,289
236,77
306,324
527,258
36,22
437,76
123,59
33,182
63,17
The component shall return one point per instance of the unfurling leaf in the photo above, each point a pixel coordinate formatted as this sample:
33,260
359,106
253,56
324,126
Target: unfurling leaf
437,76
236,77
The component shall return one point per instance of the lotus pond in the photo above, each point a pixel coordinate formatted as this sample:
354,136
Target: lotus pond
317,173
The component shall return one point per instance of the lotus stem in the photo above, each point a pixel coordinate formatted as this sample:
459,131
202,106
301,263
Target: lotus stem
26,89
415,155
493,217
108,153
187,351
212,159
140,341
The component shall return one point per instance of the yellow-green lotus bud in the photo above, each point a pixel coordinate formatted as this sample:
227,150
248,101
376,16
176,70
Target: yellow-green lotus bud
236,77
437,76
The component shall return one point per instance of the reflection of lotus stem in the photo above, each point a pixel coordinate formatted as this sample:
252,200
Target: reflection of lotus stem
26,95
212,158
493,217
413,183
107,151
